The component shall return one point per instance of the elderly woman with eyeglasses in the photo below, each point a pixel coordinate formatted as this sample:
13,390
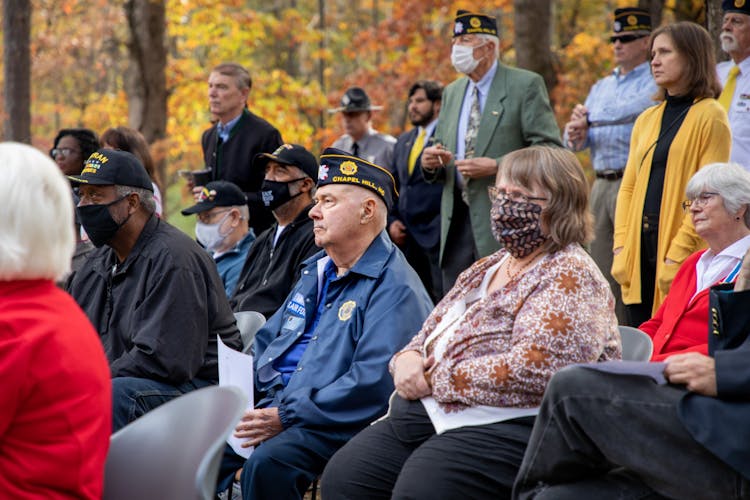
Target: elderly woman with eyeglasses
469,383
718,197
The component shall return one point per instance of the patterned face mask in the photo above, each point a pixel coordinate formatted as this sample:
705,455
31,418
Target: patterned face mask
515,225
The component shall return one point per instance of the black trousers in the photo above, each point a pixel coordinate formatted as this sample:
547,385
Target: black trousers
401,457
460,250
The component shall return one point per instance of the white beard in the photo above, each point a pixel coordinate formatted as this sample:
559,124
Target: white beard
728,42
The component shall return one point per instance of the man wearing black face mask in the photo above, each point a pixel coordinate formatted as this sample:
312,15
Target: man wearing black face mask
150,291
272,265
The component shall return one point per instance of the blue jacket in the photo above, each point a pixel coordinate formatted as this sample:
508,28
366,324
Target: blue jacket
342,381
229,264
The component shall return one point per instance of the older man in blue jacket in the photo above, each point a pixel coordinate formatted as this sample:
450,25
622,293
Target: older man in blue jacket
321,364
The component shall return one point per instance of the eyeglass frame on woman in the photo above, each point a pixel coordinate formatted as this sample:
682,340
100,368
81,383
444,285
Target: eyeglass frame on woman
514,196
701,200
64,151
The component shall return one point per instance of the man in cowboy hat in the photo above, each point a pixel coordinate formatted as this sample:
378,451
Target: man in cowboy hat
360,138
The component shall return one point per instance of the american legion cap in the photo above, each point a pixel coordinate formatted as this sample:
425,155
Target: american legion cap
339,167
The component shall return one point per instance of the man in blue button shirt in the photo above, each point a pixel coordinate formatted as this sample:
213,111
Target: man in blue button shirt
604,124
222,228
321,361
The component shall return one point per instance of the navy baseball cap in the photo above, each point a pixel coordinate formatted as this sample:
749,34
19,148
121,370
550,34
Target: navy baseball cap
217,194
107,167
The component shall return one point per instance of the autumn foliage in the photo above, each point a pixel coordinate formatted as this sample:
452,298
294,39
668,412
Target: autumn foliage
302,55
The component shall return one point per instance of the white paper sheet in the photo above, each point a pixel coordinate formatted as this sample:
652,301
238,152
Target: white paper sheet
652,370
236,368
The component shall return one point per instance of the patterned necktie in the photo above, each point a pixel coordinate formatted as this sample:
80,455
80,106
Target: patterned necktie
472,128
725,99
416,149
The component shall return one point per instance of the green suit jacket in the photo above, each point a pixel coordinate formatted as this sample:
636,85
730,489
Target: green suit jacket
517,114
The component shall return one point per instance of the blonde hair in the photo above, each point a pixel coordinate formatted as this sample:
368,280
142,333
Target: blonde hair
37,229
558,172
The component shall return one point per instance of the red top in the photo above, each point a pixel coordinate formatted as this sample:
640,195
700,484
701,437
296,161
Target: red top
681,323
55,396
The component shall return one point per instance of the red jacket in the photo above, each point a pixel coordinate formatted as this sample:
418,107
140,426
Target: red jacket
681,323
55,396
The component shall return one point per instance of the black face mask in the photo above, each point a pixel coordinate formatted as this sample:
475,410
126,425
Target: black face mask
274,193
98,222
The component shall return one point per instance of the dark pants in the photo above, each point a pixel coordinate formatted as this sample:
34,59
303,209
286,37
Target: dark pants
460,250
401,457
600,435
282,467
640,313
133,397
426,262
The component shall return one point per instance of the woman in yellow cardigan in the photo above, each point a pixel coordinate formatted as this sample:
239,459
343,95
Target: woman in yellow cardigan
670,142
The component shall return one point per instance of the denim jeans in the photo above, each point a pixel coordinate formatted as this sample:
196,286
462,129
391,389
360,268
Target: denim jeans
600,435
133,397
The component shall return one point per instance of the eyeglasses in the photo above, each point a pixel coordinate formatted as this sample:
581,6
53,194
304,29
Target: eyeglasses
207,217
699,201
626,38
62,151
515,196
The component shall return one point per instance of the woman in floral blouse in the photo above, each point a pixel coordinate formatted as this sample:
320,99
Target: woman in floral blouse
469,383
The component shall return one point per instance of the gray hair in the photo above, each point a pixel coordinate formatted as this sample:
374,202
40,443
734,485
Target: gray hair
37,223
244,211
491,38
144,195
730,180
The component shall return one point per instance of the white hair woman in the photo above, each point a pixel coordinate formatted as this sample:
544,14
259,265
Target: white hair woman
718,198
55,395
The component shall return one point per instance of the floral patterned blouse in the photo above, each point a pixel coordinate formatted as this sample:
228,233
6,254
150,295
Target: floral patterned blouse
512,341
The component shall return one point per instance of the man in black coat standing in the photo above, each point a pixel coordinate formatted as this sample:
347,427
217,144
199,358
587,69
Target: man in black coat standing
230,146
414,224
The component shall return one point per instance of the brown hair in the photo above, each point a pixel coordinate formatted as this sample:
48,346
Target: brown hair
130,140
558,172
694,44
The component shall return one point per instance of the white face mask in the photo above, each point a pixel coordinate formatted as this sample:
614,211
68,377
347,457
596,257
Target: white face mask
462,57
209,235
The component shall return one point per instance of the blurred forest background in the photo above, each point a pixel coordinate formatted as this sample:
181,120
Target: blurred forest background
145,63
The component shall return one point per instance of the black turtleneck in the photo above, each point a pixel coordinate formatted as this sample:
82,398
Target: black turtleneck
674,114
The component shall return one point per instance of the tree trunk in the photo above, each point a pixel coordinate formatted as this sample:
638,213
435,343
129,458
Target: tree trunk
532,39
655,8
145,81
714,17
17,70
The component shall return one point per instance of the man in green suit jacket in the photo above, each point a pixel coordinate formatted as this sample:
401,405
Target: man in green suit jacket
493,110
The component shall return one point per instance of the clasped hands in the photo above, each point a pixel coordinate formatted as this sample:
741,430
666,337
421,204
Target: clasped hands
411,375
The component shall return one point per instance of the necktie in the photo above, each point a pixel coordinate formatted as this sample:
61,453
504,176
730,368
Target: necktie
472,127
416,149
355,149
725,99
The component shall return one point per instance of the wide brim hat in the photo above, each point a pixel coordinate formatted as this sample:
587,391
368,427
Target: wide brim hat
355,99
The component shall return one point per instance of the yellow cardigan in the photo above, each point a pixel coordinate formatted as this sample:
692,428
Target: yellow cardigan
704,137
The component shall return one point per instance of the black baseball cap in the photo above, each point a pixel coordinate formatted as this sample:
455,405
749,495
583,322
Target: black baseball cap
217,194
107,167
289,154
